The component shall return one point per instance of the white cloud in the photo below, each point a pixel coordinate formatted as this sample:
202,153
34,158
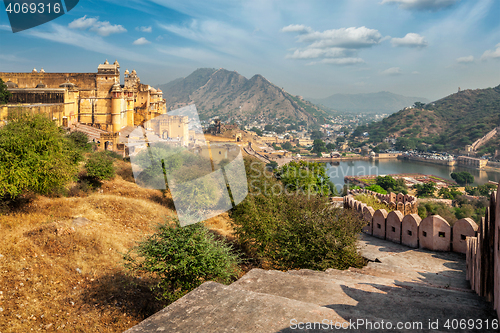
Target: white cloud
141,41
465,60
492,54
392,71
340,61
300,28
410,40
432,5
216,35
103,28
144,29
335,46
63,35
311,53
343,37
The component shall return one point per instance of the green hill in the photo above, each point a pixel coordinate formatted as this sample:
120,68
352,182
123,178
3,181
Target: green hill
447,124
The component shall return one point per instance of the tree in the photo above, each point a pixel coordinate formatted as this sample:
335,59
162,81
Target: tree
418,105
99,166
425,190
316,135
280,130
447,193
462,177
256,130
269,128
287,145
309,177
34,156
319,146
392,185
4,93
330,146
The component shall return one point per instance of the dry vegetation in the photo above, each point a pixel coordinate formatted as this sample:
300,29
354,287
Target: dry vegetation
58,275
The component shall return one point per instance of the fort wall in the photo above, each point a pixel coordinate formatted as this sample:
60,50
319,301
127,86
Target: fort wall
52,80
404,226
483,255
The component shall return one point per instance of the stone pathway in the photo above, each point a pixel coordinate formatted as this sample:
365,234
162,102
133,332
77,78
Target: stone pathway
419,289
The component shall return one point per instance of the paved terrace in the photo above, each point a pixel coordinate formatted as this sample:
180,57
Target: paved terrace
399,284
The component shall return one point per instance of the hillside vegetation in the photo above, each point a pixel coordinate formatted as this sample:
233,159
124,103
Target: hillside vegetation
222,93
447,124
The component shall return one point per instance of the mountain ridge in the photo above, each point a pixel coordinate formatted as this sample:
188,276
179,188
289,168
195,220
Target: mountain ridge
449,123
380,102
228,94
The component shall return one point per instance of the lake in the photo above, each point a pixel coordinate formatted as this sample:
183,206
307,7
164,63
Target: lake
394,166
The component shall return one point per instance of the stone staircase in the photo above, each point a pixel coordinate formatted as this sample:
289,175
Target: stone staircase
92,132
419,289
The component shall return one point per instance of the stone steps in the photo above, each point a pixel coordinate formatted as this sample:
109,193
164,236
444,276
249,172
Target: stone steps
92,132
353,299
400,285
214,307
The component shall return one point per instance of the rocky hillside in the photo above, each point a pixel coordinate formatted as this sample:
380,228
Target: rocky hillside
226,94
446,124
376,103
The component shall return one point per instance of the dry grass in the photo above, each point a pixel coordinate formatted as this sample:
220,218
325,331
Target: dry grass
56,276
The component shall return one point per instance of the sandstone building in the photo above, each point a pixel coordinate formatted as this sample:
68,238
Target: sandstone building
94,99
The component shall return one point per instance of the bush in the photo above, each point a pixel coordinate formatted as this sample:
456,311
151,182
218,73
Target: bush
288,231
99,166
34,156
183,258
462,178
80,140
376,188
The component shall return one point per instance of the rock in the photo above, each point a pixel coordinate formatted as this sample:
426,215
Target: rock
80,222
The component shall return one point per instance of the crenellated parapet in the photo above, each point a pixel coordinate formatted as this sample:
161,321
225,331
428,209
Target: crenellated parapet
402,225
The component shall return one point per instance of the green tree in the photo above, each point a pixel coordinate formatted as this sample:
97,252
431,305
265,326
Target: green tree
425,190
269,128
330,146
462,178
290,230
256,130
183,258
4,93
319,147
390,184
308,177
34,156
316,135
287,145
447,193
81,140
99,166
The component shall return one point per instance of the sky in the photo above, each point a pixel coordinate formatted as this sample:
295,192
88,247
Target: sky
312,48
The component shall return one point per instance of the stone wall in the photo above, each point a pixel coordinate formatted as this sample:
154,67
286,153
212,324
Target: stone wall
483,251
404,226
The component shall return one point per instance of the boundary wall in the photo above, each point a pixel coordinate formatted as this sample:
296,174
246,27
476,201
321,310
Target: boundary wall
404,226
483,251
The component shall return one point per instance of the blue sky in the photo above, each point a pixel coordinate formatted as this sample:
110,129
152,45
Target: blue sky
425,48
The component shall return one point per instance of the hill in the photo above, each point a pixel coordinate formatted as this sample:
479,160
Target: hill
382,102
65,274
226,94
446,124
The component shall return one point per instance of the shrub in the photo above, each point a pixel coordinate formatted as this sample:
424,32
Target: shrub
34,156
183,258
371,201
99,166
376,188
80,140
462,178
288,230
